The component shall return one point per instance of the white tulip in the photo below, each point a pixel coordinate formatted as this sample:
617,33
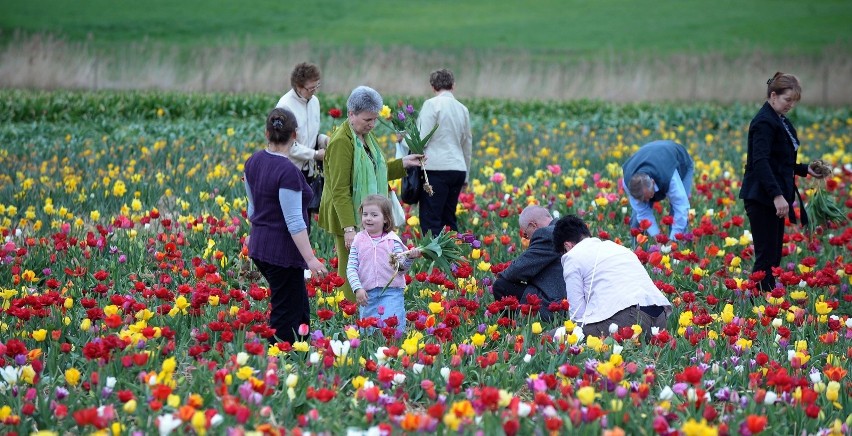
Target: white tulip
9,374
168,423
524,409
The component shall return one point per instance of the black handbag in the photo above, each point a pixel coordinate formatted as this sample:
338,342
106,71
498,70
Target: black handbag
316,185
412,185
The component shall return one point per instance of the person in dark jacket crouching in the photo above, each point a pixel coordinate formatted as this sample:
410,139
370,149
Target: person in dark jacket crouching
538,270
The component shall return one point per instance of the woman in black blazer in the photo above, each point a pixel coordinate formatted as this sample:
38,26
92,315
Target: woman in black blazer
769,186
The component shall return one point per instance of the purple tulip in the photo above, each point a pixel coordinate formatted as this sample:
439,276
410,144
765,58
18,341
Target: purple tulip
724,394
61,393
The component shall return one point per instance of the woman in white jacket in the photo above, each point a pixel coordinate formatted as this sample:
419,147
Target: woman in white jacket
309,148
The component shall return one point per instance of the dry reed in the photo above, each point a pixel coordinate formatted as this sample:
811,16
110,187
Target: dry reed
47,62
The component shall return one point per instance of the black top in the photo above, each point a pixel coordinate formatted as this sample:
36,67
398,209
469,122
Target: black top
771,166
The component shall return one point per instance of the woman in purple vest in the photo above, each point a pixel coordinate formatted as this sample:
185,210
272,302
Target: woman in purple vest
278,197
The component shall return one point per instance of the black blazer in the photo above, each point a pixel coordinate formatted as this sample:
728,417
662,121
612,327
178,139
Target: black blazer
540,267
771,165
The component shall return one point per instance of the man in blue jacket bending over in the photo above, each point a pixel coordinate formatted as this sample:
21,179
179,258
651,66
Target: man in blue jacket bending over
660,169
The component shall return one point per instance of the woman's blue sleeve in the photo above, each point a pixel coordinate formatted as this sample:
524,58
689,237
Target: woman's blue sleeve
291,206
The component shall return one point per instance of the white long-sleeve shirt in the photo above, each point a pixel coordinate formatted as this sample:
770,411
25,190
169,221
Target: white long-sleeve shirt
451,146
602,278
307,114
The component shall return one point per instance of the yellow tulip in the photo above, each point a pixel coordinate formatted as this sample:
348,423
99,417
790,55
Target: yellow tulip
477,339
72,376
586,395
39,335
536,328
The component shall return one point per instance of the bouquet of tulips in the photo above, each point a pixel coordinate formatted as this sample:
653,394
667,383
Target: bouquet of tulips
443,251
822,208
404,121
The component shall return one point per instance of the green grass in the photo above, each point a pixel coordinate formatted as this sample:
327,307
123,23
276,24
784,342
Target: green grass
555,27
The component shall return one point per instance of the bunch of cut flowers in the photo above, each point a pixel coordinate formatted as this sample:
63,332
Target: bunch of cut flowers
822,208
443,251
403,121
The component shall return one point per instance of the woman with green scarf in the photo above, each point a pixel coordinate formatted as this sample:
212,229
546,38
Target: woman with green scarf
355,167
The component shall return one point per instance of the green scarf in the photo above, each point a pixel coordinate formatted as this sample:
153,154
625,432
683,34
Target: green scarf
368,177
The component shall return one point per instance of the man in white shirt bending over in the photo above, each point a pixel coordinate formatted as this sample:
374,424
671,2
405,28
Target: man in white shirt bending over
605,283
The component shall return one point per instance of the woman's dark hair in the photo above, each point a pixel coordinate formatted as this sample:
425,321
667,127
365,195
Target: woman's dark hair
442,79
569,228
280,126
303,73
781,82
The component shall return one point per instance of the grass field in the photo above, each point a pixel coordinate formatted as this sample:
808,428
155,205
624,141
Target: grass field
546,50
552,27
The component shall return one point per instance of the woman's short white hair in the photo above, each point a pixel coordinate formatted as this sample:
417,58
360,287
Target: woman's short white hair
364,98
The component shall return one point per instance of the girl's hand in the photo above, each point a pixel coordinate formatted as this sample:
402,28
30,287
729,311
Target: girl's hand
361,297
781,206
414,253
317,267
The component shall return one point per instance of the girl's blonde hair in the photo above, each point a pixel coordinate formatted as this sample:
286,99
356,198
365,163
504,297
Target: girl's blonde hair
384,205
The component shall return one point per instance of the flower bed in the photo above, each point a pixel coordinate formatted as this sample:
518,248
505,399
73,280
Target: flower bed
128,302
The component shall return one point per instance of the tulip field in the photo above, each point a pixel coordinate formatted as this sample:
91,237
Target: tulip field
129,305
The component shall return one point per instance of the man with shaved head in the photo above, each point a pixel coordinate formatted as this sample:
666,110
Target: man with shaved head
538,270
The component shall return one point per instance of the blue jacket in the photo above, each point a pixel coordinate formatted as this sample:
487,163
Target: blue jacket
658,159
